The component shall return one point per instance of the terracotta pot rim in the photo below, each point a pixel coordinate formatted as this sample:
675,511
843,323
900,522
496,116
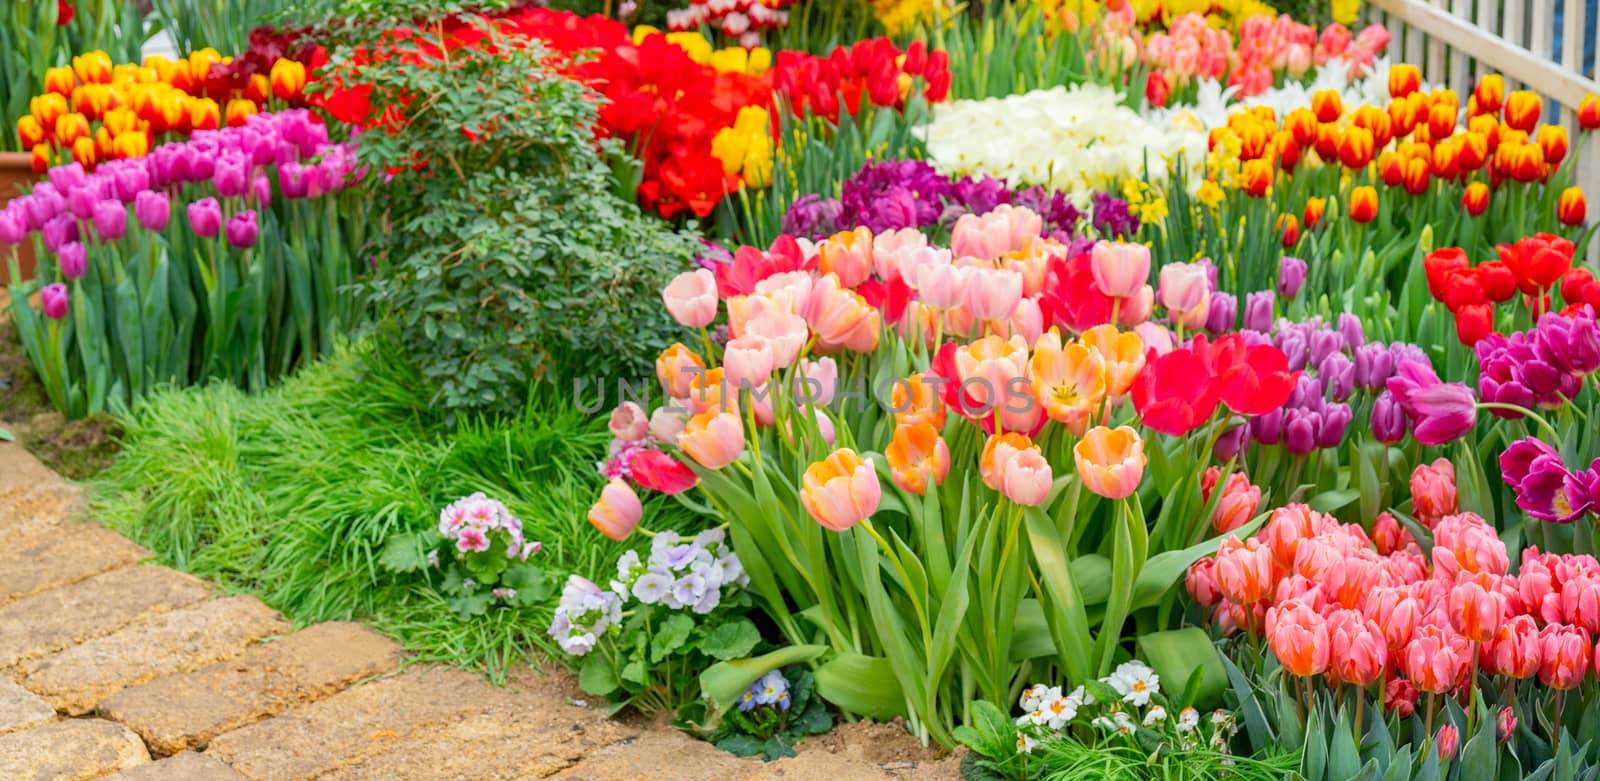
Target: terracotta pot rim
16,160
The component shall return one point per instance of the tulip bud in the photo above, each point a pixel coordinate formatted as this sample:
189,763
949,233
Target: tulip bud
53,301
73,260
205,217
242,229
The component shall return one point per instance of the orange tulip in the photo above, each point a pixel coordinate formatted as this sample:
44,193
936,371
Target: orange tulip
1473,151
915,453
1476,198
1589,112
131,144
1490,93
915,401
1288,149
1290,225
93,68
1402,116
1552,141
1391,169
1328,142
1110,461
713,439
841,490
1327,105
847,254
121,120
1298,636
200,63
59,80
104,148
1123,353
711,391
616,514
993,371
1525,162
676,369
1376,121
1013,465
1363,204
1302,124
40,158
30,132
1313,214
1488,127
70,128
1523,109
288,79
1355,147
237,111
1441,121
48,108
1445,160
1256,178
83,152
1404,80
1254,141
1069,382
1571,208
839,316
257,89
172,111
204,114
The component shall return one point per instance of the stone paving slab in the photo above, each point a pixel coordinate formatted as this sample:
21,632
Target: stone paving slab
52,620
32,498
354,724
507,743
77,678
72,750
67,554
187,766
20,708
186,710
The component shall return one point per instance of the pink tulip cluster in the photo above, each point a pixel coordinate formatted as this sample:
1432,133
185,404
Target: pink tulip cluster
1362,607
1192,49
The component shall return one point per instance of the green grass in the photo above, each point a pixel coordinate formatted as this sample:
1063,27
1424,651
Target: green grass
291,494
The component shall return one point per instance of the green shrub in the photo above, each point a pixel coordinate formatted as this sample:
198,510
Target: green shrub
507,258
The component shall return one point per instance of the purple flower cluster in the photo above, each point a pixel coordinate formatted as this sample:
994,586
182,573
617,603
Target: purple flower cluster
1542,367
896,194
1546,489
73,208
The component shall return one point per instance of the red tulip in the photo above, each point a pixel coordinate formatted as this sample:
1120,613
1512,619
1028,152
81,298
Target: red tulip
1438,264
1538,261
1463,287
1499,282
1474,322
1176,393
1251,380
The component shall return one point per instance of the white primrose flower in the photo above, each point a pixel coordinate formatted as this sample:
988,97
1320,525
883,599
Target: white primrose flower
652,587
1025,743
1135,681
1188,720
1082,696
1059,711
1155,715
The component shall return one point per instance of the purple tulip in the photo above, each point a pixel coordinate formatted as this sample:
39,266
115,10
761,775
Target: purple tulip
1335,422
1255,338
1374,366
61,229
73,260
261,191
13,225
1339,373
44,204
82,201
1300,430
110,220
152,209
1350,328
1440,412
232,177
68,177
1211,272
130,180
1293,344
1516,461
1258,311
1323,343
1583,490
1224,311
293,180
1572,344
53,300
1388,419
1307,392
205,217
1233,443
1268,428
1291,276
242,229
1542,492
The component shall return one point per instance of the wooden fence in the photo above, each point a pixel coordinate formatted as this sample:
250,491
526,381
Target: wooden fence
1456,41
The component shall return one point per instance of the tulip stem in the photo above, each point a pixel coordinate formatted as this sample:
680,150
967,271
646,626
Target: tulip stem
1433,707
1555,727
1545,424
1361,701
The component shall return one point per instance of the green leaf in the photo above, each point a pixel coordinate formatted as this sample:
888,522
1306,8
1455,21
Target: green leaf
634,672
990,734
1180,653
1333,501
670,636
813,721
723,682
1064,608
1344,759
404,553
777,748
1165,568
864,685
741,745
731,640
1314,758
596,676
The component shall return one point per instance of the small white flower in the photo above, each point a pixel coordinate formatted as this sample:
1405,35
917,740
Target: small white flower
1059,711
1135,681
1025,743
1082,696
652,587
1188,719
433,558
1156,715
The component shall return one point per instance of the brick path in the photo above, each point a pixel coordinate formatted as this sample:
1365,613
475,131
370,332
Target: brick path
113,668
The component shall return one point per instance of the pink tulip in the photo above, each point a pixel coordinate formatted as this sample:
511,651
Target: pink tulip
993,294
1288,526
1026,478
1465,543
1433,492
1155,337
1389,536
1476,606
892,249
1351,579
1184,287
1513,651
848,255
1449,741
628,422
747,360
820,383
1245,571
841,318
1120,270
1359,653
1201,582
979,237
1436,659
841,490
1023,225
1564,655
713,439
1238,503
691,298
617,512
785,334
1298,636
1505,724
53,301
668,420
1136,309
1301,588
1396,612
942,285
1027,321
1400,697
1580,601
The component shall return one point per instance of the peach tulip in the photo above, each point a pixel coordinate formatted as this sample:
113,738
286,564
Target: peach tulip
820,381
668,420
993,294
1400,697
677,368
747,360
1288,526
616,514
847,255
1123,353
1033,263
1352,578
1298,636
1245,570
1436,659
1201,582
1238,503
1110,461
978,237
841,490
1433,491
1396,611
713,439
1580,600
1184,286
1136,309
916,452
784,332
1513,650
1389,536
1026,478
628,422
1120,269
710,391
992,372
1027,321
1358,653
1564,655
1476,606
841,318
1466,543
1069,381
892,249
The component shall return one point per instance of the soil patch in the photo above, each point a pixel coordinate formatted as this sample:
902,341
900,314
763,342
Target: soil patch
77,449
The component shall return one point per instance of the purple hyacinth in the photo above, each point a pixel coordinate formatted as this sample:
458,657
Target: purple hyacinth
1113,218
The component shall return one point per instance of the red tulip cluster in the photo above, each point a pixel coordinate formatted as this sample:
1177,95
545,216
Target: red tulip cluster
1363,607
1177,392
874,68
1531,267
